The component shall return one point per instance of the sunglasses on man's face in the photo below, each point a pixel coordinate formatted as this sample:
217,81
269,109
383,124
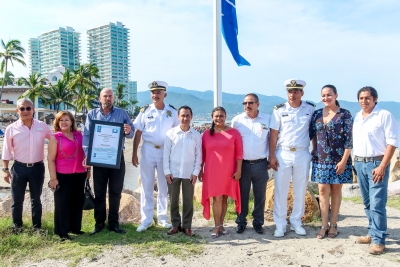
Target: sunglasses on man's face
23,109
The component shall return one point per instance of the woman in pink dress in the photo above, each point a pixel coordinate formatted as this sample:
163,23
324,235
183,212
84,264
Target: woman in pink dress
222,161
65,161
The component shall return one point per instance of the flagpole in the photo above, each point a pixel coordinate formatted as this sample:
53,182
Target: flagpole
217,54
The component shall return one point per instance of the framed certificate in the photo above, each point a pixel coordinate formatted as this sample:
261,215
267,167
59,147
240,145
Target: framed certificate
105,144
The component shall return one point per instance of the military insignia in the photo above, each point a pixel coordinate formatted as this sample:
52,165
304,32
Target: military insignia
310,103
172,106
144,108
279,106
169,113
293,83
154,84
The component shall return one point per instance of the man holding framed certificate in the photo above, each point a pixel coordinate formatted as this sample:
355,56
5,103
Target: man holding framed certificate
103,141
152,124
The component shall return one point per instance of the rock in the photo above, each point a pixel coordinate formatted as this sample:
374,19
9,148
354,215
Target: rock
311,204
198,190
351,190
394,188
5,206
129,209
394,174
313,187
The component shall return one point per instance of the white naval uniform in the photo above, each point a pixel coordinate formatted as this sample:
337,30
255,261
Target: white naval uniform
292,153
154,125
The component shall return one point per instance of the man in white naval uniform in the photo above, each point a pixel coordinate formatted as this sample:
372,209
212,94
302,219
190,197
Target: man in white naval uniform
289,155
151,125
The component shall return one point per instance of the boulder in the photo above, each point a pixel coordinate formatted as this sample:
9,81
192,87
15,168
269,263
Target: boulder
394,174
351,190
311,203
129,209
5,206
394,188
198,190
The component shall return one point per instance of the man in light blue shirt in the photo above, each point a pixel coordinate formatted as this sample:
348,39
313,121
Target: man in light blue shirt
102,177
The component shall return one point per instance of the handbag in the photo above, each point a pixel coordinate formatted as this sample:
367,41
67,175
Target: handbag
88,203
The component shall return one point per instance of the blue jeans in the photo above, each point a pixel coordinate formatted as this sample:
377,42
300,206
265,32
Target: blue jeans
374,197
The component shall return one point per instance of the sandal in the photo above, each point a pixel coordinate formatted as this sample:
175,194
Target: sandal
224,232
331,234
215,235
322,236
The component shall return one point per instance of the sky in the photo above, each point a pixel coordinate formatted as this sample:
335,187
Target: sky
349,44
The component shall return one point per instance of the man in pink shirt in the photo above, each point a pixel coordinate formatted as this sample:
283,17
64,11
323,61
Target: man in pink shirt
24,142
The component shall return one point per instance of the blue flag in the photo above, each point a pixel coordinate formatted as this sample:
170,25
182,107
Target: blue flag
230,30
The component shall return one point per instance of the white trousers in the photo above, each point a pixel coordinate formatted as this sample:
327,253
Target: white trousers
152,159
293,166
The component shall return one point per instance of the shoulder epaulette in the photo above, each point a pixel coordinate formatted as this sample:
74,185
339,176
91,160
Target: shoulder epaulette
310,103
171,106
144,108
279,106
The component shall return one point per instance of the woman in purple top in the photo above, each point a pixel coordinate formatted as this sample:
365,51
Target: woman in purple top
65,161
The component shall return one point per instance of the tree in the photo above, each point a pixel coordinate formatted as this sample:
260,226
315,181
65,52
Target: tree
59,93
13,51
9,78
82,82
123,104
119,94
36,83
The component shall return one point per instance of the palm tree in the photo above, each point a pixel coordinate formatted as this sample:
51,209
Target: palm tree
123,104
13,51
82,82
59,93
35,82
119,93
9,78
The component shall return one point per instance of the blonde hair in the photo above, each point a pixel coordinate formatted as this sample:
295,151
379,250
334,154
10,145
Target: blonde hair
58,117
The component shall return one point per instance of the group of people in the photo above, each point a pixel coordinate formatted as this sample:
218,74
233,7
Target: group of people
228,159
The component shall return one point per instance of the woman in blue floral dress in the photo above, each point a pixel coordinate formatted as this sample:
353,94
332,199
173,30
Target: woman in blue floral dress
331,135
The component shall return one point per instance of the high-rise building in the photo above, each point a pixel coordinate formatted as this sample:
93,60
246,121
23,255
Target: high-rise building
55,48
132,90
108,49
34,58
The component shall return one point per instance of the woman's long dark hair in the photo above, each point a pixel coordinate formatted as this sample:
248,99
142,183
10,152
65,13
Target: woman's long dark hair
334,90
219,108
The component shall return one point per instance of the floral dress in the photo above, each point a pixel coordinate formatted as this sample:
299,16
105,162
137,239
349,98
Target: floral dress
332,139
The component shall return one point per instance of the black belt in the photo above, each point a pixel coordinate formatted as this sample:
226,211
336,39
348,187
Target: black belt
254,161
368,159
28,164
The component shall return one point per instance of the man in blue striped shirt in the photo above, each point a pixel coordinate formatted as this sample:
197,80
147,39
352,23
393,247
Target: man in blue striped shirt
102,177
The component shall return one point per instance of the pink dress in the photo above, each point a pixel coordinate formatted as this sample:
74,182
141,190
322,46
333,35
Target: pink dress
220,153
70,154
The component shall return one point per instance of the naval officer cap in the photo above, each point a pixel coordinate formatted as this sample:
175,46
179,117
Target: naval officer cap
294,84
158,85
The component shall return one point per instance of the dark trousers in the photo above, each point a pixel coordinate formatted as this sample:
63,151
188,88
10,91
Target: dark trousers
187,199
68,202
114,178
256,174
21,176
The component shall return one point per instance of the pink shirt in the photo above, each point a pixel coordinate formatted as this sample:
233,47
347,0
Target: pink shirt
70,153
23,144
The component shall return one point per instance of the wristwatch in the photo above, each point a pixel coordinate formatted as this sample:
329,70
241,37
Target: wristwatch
5,169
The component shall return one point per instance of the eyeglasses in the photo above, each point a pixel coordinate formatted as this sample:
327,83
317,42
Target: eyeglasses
247,103
23,109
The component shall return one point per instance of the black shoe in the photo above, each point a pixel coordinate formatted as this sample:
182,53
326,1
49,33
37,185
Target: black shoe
16,229
97,229
117,230
77,232
240,229
65,237
259,229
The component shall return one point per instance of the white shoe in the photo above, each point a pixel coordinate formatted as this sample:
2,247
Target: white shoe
165,224
299,230
142,228
279,233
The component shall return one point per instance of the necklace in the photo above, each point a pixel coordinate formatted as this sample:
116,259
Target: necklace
68,157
